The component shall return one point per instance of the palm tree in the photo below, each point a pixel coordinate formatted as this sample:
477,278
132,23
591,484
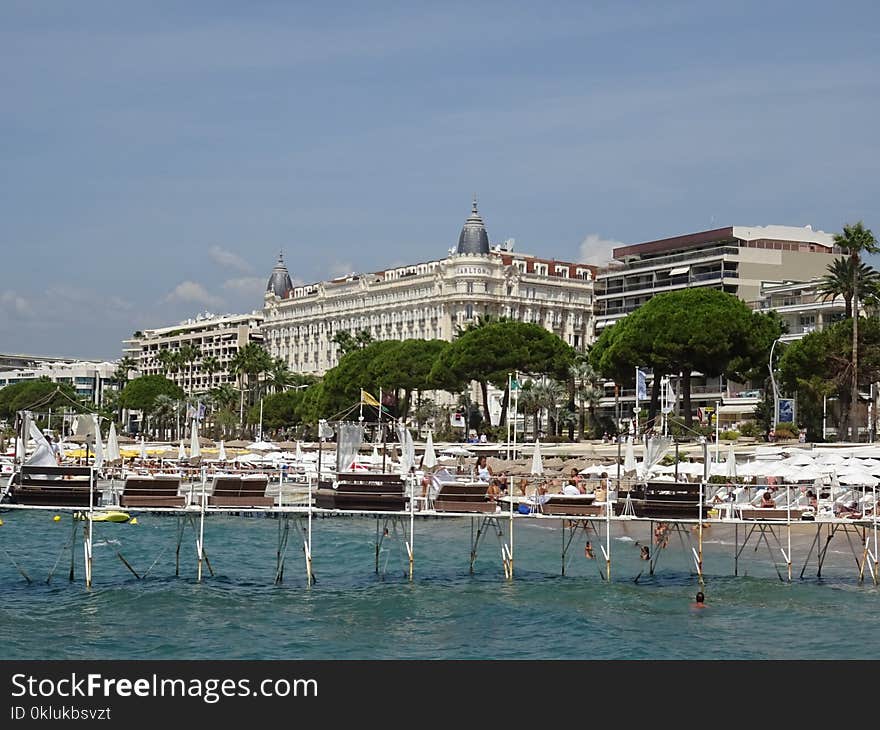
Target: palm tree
167,360
187,355
530,404
838,282
164,409
210,365
249,362
120,375
587,391
854,241
279,375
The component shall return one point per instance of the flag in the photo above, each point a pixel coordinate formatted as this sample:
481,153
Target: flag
514,385
700,415
201,411
641,385
368,399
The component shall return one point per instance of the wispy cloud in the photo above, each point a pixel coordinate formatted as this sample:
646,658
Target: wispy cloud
340,268
229,259
252,286
192,291
597,250
16,305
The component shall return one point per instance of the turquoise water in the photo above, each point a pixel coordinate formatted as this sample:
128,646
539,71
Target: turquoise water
445,613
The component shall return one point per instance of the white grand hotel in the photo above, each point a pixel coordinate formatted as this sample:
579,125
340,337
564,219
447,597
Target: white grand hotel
430,300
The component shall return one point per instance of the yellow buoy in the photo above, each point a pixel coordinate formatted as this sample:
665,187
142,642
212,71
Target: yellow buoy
56,518
132,521
1,523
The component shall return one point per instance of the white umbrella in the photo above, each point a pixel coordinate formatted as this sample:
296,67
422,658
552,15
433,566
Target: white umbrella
194,449
629,458
299,453
456,450
375,459
731,462
861,478
263,446
143,449
537,464
113,454
181,452
99,445
429,460
222,454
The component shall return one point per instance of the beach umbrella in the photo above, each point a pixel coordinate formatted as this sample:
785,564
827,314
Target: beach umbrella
195,450
99,445
858,477
629,458
262,446
181,452
537,465
112,445
222,454
375,459
731,462
429,460
299,453
143,453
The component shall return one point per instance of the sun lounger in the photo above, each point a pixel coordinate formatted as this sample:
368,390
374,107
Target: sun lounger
235,491
768,513
56,486
141,491
464,497
571,505
364,491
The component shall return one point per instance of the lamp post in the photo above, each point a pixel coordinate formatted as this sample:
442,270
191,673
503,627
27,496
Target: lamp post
773,383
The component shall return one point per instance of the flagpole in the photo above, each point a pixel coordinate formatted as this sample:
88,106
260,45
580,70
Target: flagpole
509,403
636,409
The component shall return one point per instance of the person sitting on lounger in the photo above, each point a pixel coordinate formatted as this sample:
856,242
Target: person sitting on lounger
767,499
484,472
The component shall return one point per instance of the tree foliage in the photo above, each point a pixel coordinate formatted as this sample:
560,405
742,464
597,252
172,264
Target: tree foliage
140,394
27,394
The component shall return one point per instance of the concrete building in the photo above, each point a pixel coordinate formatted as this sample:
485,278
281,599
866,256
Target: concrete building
17,361
90,378
800,305
747,261
217,336
736,259
429,300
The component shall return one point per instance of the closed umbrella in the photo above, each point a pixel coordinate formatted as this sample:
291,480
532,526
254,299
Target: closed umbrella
99,445
143,449
299,453
537,463
731,463
222,453
195,450
181,452
112,445
629,458
429,460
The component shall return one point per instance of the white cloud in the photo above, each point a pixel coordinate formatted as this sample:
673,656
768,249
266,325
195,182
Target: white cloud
340,268
597,250
16,304
192,291
228,259
253,286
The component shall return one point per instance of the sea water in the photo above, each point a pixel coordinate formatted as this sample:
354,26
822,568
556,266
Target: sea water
446,612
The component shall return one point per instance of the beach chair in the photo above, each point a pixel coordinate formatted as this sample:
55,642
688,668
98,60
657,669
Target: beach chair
140,491
236,491
364,491
571,505
56,486
464,497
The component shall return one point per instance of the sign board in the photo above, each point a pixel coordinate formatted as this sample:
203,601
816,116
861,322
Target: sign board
786,411
457,419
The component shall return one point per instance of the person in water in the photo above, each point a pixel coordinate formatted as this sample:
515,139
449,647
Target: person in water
699,600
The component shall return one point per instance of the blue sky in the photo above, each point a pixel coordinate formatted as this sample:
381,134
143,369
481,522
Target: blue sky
156,156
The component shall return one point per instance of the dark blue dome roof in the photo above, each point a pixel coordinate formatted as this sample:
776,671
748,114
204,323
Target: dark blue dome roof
473,238
279,282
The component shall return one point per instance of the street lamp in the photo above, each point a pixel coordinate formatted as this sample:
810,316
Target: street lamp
773,383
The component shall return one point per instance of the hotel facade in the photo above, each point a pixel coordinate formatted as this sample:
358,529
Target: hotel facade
430,300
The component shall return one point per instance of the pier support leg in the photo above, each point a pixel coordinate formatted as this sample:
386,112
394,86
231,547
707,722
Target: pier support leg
283,535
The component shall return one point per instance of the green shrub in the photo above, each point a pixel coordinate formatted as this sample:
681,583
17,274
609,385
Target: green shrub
729,435
750,429
786,430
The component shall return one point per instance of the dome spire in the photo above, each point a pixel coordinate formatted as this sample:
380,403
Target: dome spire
279,284
473,238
